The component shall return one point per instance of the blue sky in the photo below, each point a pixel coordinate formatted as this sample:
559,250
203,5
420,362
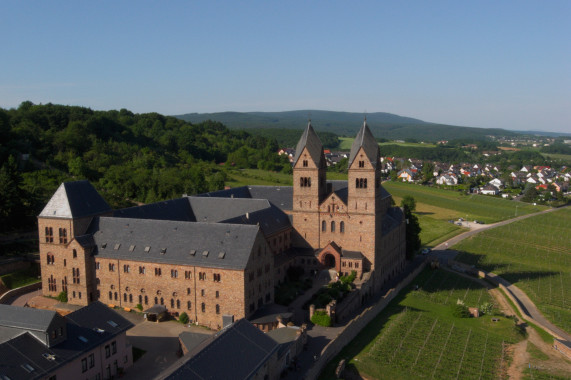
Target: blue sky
504,64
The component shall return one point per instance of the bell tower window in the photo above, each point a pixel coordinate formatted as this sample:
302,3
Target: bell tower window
62,236
305,163
49,235
361,164
305,181
361,183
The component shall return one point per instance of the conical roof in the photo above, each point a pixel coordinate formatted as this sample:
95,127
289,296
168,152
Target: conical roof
75,200
365,140
311,141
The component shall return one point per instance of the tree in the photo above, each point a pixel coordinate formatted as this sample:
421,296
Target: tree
408,202
12,210
412,226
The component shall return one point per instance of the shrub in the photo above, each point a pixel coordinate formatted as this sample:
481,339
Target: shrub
294,273
140,307
486,308
321,318
183,318
62,297
460,311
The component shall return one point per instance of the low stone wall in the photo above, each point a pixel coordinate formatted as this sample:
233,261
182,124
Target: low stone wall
356,325
349,304
19,291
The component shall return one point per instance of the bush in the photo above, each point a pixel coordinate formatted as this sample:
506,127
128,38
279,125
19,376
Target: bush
321,318
183,318
460,311
294,273
140,307
62,297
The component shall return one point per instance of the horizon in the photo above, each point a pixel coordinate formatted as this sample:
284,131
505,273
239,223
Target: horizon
484,65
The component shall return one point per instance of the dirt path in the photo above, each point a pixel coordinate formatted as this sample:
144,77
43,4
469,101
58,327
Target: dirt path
521,358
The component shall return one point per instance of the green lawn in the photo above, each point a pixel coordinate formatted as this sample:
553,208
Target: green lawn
245,177
446,204
436,231
533,254
346,142
21,278
417,336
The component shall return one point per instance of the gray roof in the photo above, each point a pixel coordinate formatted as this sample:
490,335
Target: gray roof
271,220
236,352
26,350
215,210
365,140
281,196
311,141
26,318
192,340
352,254
174,209
178,240
75,200
392,219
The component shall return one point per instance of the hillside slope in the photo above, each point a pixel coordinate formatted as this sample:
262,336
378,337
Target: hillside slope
382,124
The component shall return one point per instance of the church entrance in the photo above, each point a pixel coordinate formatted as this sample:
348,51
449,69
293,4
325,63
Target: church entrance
329,260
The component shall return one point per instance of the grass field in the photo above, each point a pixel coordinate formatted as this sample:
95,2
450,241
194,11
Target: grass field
21,278
245,177
417,336
346,143
534,254
446,204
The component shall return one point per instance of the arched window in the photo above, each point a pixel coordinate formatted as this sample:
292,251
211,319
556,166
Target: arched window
178,304
172,303
74,253
365,185
124,297
342,227
162,301
131,298
357,183
116,297
110,295
203,306
323,226
333,226
301,181
140,299
156,301
217,309
146,300
188,304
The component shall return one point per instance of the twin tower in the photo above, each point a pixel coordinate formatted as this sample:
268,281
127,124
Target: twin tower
347,219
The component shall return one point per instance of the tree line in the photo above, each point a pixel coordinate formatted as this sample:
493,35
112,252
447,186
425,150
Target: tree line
128,157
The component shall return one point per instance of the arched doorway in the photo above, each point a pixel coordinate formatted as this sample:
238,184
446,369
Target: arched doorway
329,260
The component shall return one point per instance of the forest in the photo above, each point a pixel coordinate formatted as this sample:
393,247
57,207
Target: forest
129,158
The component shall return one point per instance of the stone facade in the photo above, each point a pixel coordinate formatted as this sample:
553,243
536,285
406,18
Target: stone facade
349,227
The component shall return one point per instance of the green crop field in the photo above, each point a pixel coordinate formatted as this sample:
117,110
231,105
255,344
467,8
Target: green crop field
447,204
245,177
346,142
417,336
534,254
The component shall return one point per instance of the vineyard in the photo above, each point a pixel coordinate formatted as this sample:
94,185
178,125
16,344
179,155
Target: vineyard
447,204
534,254
418,337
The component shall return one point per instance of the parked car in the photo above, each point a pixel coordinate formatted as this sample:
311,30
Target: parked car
426,251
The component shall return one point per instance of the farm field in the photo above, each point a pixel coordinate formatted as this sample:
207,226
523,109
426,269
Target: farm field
245,177
417,336
445,204
346,143
535,255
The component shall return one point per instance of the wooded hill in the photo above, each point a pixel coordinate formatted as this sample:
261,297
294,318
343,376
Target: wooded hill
382,124
128,157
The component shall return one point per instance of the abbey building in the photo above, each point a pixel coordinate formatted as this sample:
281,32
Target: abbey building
222,253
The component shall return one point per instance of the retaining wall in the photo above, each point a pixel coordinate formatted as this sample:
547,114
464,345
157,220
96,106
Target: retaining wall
356,325
19,291
13,265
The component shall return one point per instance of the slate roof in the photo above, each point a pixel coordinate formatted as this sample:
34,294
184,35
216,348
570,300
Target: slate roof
311,141
27,350
174,209
178,239
271,220
281,196
215,210
192,340
236,352
365,140
75,200
26,318
392,219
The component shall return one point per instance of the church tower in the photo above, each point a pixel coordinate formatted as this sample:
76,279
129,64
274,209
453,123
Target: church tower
364,194
309,187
